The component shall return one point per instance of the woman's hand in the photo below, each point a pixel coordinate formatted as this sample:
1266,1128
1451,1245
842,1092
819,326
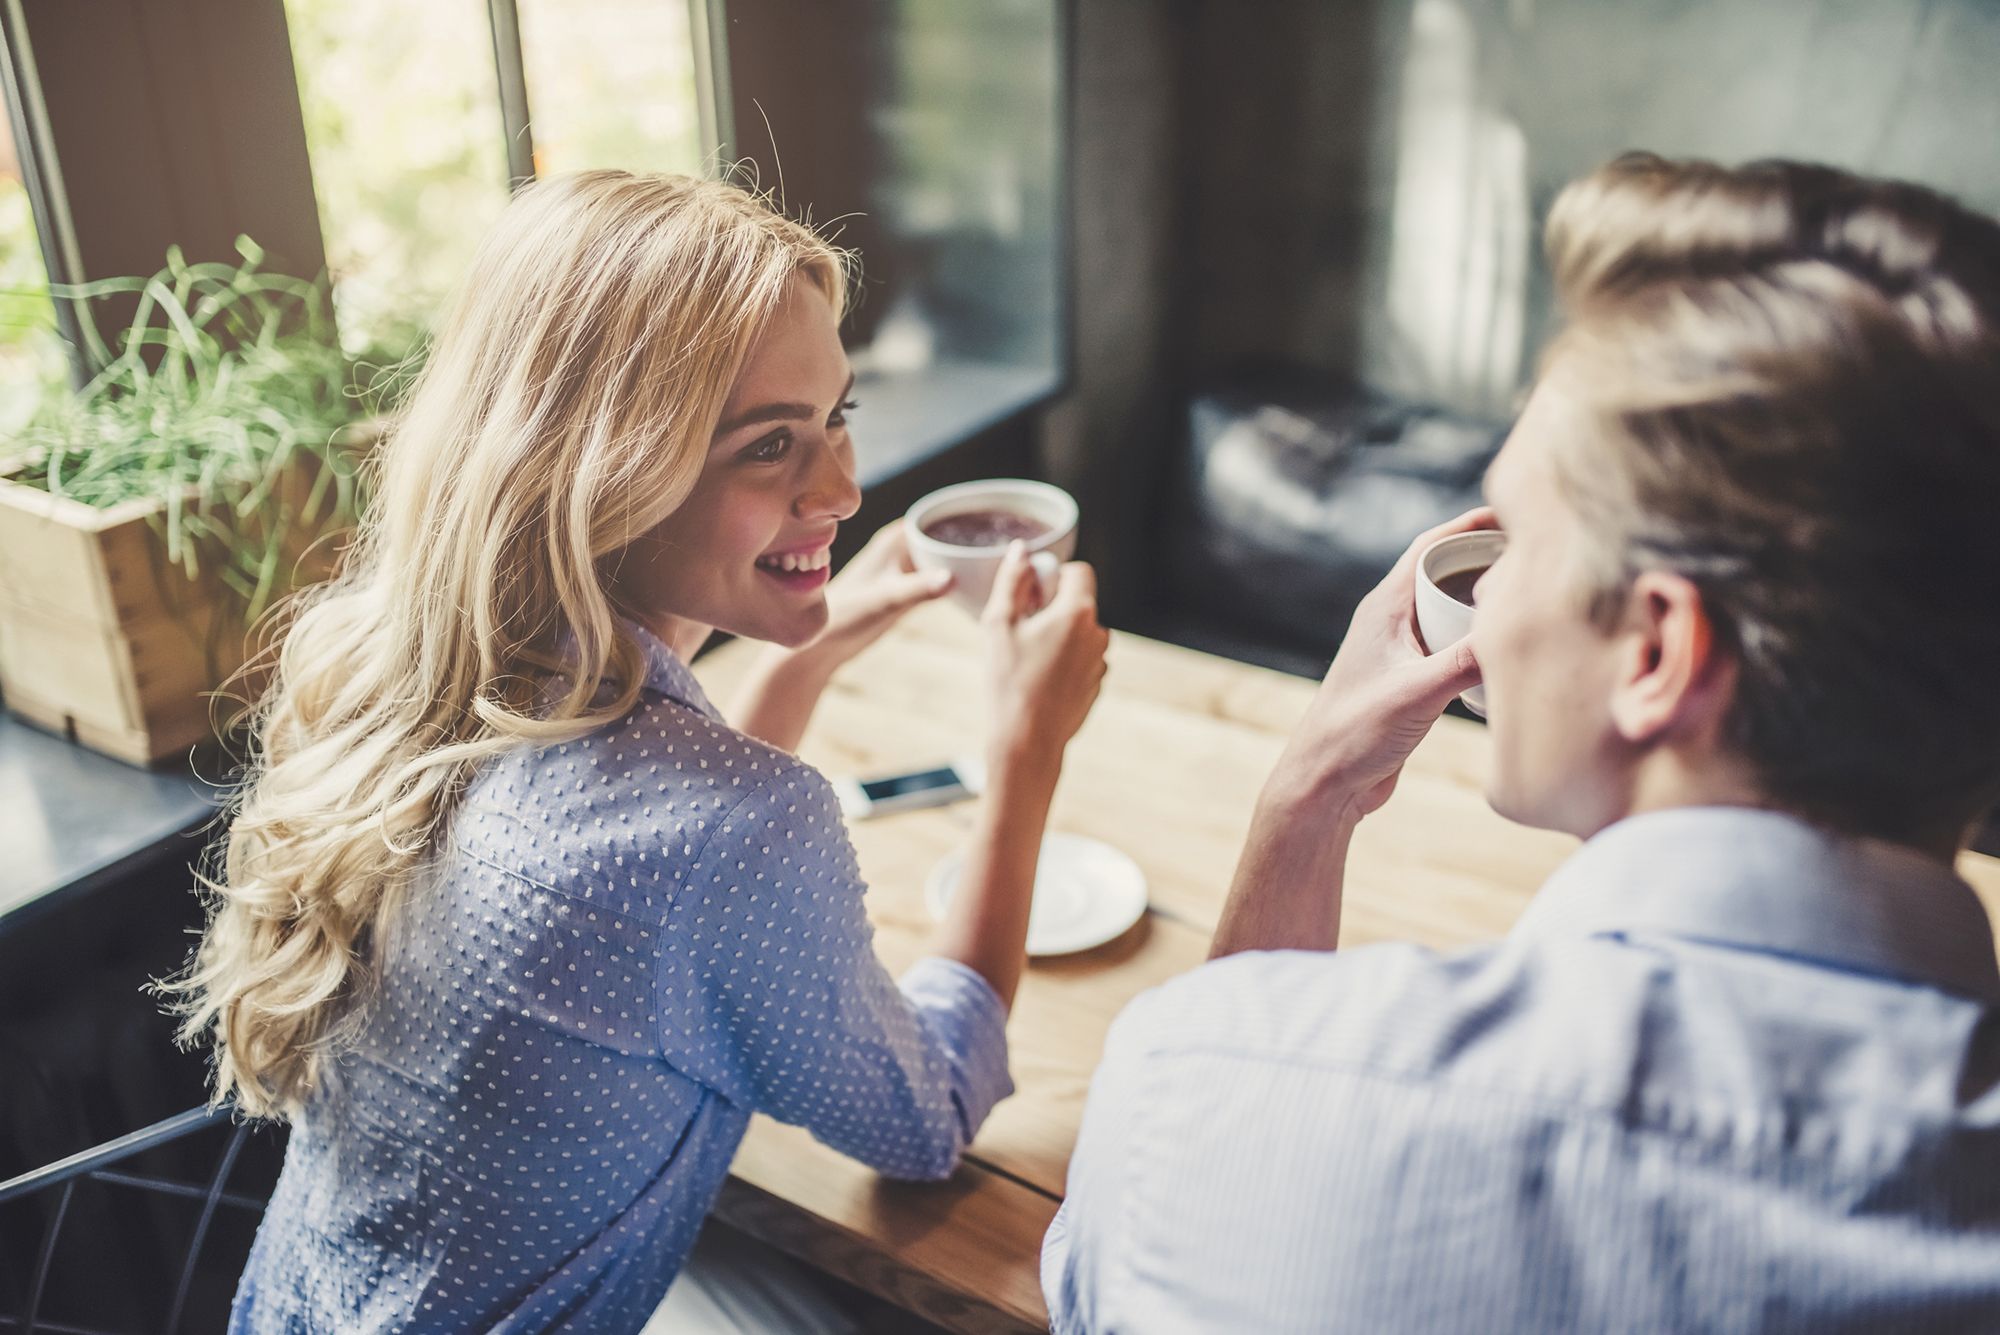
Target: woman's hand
1045,663
1381,695
871,594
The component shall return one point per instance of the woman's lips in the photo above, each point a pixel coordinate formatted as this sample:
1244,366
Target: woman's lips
798,572
798,581
801,569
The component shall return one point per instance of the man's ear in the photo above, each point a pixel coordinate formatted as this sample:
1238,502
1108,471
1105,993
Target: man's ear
1672,679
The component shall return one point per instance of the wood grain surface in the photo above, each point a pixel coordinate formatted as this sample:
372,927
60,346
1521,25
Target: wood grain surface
1166,769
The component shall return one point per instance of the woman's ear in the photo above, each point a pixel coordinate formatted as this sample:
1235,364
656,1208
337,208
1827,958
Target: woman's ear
1672,679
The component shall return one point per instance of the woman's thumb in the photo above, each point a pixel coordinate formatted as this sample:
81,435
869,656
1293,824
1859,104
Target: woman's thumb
919,586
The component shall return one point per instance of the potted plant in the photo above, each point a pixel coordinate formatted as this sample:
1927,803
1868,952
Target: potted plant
209,466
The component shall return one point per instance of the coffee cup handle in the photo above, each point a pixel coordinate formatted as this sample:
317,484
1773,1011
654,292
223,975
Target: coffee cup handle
1046,565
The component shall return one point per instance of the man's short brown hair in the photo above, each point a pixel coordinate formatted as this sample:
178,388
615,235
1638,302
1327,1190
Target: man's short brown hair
1794,378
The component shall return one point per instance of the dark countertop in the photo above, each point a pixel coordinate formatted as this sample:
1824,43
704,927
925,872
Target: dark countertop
74,819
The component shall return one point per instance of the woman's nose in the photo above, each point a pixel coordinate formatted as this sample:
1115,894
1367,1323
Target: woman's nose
831,491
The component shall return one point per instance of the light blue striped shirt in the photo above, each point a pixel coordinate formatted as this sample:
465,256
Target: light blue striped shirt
627,944
1727,1074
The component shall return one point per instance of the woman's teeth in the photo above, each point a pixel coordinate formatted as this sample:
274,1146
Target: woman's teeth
797,561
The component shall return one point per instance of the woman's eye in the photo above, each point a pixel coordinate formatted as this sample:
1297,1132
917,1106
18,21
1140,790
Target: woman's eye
770,449
839,417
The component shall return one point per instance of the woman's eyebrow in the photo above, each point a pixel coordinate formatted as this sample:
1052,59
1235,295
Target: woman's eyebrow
777,412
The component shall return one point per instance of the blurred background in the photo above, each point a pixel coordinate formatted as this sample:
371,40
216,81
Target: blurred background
1258,280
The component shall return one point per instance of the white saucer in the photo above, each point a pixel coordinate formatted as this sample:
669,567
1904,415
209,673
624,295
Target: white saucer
1086,893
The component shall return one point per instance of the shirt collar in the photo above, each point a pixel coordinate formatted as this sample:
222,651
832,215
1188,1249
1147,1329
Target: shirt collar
1764,881
667,675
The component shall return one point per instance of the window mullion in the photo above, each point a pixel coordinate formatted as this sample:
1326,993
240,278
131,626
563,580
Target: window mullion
42,175
708,28
507,62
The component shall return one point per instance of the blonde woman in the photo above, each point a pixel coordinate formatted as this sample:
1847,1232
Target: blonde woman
513,928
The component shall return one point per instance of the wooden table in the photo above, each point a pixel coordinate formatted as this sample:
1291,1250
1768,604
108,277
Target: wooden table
1166,769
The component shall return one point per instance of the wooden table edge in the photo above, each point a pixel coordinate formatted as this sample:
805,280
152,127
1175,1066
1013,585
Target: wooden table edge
879,1267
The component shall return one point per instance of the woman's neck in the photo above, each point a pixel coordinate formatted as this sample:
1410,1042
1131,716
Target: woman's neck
684,637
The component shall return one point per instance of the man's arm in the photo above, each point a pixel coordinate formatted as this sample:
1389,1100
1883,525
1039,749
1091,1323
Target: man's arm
1379,699
1286,894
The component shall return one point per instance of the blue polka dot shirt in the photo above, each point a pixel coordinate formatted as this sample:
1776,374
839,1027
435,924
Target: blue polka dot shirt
624,946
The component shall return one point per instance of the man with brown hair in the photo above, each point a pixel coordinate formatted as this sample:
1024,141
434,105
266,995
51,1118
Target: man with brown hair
1738,1066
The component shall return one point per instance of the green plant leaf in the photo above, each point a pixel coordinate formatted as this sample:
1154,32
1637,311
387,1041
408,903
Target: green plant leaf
224,378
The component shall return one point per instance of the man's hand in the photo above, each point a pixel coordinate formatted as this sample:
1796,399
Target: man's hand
1380,697
1378,700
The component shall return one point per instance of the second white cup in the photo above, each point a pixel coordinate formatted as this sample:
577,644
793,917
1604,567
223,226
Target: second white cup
1443,619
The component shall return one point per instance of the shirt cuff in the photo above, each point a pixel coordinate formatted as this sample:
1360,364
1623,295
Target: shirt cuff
966,1018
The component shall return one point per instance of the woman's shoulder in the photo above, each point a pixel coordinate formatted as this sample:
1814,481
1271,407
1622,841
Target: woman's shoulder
627,809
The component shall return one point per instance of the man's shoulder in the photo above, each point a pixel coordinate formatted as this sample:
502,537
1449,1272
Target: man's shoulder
1512,1019
1364,1004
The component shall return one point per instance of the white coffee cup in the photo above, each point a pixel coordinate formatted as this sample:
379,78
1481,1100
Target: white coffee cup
1442,619
974,568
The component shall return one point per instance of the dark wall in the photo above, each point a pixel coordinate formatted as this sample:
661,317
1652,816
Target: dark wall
174,122
1358,186
1106,441
1366,180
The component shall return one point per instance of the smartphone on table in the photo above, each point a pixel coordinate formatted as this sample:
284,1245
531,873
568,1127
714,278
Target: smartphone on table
861,798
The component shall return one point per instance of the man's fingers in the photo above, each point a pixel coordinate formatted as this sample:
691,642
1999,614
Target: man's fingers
1399,586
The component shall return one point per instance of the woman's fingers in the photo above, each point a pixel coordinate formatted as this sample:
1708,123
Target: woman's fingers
905,591
888,548
1004,604
1076,581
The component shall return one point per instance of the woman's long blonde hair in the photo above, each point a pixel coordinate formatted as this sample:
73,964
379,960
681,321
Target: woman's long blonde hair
566,410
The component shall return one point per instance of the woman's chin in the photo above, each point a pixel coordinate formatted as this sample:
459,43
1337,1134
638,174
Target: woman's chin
799,629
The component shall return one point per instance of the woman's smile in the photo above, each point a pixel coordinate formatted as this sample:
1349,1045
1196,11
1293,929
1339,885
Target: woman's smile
799,569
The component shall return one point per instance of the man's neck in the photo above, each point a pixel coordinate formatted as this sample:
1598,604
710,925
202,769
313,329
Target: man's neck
1666,780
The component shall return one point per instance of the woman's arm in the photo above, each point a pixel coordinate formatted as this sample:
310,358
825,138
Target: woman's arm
770,989
779,693
1046,669
772,995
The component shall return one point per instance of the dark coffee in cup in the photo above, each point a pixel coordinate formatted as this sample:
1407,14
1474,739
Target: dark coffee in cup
1457,586
985,528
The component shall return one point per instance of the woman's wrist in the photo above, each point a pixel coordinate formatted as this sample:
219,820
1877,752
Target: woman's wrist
1017,757
779,694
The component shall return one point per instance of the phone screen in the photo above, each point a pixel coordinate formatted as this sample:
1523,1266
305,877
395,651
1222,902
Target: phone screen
922,781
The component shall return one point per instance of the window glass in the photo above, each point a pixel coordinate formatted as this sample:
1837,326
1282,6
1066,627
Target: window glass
33,362
611,83
408,147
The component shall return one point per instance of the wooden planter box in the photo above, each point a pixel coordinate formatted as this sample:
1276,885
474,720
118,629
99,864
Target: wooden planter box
102,638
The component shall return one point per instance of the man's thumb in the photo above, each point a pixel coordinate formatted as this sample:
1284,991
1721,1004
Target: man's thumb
1451,671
